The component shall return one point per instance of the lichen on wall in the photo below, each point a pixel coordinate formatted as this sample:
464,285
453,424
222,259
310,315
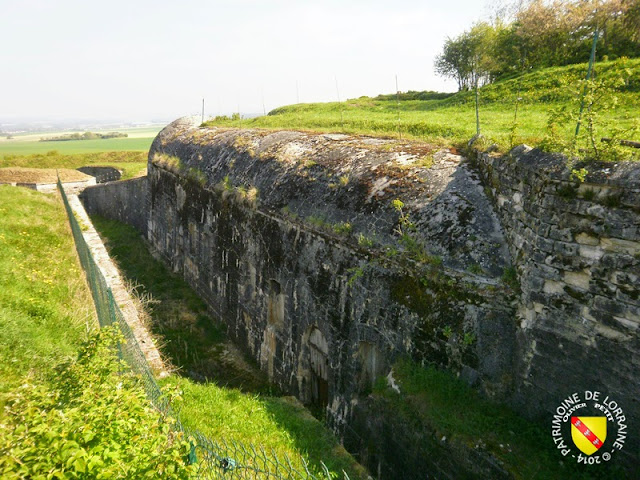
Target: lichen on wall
360,242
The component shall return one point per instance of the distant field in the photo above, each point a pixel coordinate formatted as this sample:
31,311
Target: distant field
138,140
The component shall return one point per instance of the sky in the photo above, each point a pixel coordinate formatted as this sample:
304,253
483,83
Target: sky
140,60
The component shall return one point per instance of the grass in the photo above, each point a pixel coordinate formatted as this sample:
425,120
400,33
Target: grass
45,307
438,400
232,399
279,424
450,119
130,163
138,140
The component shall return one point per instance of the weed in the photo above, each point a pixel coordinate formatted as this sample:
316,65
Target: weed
447,332
365,241
342,228
567,192
468,339
475,269
510,278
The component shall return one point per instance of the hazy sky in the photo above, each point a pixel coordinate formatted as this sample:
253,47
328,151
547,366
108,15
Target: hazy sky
142,60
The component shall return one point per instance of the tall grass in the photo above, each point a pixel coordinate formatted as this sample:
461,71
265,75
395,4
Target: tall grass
45,307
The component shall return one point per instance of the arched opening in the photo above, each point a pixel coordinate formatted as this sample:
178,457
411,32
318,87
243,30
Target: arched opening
319,367
313,369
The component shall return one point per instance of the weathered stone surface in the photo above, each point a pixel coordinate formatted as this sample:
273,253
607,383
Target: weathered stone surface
125,201
257,222
584,333
102,174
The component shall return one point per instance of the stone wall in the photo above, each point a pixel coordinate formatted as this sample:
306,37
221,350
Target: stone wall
257,224
125,201
576,246
328,256
102,174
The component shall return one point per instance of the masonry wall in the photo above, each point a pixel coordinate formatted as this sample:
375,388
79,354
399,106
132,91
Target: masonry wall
293,291
274,281
576,246
125,201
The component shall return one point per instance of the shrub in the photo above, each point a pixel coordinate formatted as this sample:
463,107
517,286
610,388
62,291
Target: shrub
93,421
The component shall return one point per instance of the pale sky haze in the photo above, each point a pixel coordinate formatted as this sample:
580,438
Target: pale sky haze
140,60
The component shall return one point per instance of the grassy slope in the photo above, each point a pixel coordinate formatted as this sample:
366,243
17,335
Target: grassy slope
45,307
451,120
130,163
227,405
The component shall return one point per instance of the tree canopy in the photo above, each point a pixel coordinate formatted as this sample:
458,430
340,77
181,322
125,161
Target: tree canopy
539,34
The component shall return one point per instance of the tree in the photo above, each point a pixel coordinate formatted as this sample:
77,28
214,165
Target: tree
468,58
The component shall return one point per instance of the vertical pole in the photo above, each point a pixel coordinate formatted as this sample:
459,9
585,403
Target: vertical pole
264,109
202,110
589,70
398,105
339,103
477,112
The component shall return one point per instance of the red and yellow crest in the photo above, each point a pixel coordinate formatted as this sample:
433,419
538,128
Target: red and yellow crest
589,433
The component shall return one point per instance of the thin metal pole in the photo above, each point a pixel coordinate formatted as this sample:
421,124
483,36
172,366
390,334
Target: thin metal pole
398,105
589,70
477,112
340,103
202,111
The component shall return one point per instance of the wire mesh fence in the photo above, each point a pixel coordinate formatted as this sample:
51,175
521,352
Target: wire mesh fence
215,459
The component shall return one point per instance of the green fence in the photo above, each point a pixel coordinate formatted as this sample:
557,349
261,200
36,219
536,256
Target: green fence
215,459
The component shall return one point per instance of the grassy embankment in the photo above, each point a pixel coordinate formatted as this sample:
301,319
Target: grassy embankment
131,164
45,307
435,401
232,400
450,119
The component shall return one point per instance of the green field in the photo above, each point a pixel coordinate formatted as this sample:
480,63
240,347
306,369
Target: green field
26,147
138,140
450,119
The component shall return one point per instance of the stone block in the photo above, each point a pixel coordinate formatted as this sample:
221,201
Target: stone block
617,245
592,254
578,279
586,239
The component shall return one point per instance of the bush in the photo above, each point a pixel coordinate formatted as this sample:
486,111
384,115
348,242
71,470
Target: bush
93,421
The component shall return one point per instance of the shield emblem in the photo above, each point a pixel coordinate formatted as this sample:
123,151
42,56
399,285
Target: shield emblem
588,433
